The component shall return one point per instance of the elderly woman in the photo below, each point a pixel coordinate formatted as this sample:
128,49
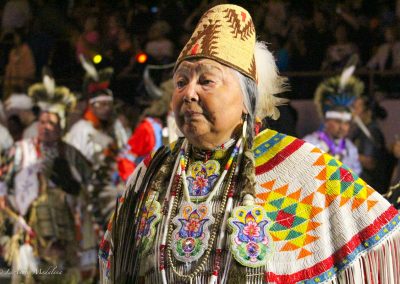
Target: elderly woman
225,206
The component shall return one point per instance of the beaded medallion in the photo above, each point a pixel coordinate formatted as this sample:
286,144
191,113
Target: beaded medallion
249,241
190,237
147,226
201,178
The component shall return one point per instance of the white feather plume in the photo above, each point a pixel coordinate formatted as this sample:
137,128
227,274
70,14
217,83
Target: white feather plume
49,84
27,260
269,82
89,68
346,74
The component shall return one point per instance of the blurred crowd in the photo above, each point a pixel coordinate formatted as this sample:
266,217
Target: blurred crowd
85,97
315,35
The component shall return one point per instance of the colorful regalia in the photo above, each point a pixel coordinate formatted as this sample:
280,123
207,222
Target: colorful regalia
99,141
334,98
45,186
278,210
148,135
146,138
309,198
87,134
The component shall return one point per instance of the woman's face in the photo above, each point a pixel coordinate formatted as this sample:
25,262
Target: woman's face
207,102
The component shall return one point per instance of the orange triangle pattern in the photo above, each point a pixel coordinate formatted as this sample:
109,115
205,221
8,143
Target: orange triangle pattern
356,203
371,203
321,175
289,246
344,200
296,195
312,225
333,187
303,253
269,184
309,239
316,150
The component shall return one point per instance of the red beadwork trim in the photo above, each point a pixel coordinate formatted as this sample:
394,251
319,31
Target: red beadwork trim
280,157
217,262
175,183
328,263
231,189
162,257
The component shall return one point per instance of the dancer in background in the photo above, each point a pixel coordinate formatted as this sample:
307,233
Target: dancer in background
334,98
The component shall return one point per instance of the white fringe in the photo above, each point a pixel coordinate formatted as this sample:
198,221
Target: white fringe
379,265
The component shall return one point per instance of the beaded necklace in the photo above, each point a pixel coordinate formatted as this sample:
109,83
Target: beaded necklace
195,234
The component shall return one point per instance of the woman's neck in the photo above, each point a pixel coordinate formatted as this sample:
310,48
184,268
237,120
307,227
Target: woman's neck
217,152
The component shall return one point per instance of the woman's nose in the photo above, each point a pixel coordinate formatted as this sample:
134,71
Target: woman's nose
191,94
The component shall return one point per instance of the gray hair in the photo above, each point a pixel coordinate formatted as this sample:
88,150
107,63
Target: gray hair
250,94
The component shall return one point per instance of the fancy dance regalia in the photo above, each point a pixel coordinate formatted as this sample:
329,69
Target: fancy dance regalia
87,134
146,139
100,139
334,98
273,209
42,182
148,135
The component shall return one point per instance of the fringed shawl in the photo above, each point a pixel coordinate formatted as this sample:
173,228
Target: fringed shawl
326,224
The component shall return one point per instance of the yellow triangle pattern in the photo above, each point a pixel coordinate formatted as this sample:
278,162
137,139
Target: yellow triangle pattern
334,188
304,208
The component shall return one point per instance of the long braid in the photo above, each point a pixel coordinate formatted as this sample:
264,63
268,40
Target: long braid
247,176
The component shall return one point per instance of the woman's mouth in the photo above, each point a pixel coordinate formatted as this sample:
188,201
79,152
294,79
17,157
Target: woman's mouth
190,114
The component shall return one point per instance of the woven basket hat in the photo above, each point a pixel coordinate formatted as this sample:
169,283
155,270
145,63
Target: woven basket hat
226,34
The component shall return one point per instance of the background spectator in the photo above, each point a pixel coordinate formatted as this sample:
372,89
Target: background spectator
159,46
16,14
20,69
370,142
317,32
388,54
88,41
340,51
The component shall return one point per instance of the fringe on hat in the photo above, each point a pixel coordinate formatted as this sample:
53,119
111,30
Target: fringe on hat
269,83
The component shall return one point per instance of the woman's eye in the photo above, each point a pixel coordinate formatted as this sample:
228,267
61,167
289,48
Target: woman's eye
206,81
180,84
